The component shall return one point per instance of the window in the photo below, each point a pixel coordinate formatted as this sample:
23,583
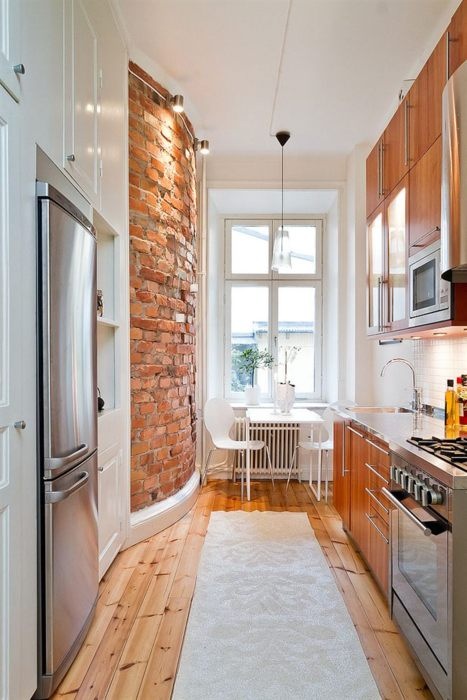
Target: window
272,311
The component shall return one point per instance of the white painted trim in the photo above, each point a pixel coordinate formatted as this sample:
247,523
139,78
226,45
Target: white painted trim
149,521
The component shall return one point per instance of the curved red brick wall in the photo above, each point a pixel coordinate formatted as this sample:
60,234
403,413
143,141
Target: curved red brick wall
162,268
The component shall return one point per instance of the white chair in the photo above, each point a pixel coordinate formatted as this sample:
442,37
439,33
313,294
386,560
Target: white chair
219,418
325,445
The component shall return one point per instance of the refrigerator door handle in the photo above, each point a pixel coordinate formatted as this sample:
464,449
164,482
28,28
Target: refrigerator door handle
55,496
58,462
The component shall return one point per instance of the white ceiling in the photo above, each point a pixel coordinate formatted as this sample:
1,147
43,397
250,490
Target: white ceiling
329,71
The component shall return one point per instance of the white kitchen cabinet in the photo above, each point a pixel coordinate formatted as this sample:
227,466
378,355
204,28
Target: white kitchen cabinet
17,425
82,86
111,530
10,53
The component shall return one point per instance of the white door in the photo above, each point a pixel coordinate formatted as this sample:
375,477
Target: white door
109,507
17,454
81,157
9,46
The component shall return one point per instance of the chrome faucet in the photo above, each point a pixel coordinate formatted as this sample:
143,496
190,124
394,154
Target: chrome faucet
416,391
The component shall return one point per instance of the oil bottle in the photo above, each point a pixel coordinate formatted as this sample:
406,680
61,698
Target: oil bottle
451,406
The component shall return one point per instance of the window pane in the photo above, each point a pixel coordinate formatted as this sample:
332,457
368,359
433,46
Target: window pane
303,248
249,328
250,249
296,326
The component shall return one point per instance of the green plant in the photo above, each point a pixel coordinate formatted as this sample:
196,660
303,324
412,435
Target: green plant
251,359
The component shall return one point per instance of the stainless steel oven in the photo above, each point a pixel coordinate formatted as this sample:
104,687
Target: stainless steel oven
420,543
430,296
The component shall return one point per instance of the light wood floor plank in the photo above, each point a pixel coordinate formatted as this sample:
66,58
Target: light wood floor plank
133,646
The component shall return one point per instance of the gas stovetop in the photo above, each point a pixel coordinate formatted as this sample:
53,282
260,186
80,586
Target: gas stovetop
452,450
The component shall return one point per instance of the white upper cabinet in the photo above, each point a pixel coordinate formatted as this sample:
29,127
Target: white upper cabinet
82,85
10,59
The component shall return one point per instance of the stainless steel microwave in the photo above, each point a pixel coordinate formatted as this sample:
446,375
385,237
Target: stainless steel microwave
430,296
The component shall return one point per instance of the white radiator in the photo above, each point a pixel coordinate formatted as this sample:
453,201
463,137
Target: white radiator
281,439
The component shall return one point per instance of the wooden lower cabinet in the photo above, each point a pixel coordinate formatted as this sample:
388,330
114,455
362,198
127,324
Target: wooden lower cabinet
361,470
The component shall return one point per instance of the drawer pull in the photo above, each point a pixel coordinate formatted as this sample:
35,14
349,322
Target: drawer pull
370,518
376,473
372,495
352,430
370,442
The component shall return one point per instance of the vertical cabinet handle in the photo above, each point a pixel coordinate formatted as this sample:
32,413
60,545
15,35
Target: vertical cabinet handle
380,304
448,39
19,69
71,158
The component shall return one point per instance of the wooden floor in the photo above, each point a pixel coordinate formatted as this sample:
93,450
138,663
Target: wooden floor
133,646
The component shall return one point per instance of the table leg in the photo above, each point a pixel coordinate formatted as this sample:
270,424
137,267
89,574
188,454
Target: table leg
248,475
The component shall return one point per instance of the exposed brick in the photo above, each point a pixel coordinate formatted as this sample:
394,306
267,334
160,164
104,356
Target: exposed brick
162,231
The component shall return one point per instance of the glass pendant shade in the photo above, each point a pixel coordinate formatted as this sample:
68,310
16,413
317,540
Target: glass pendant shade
281,257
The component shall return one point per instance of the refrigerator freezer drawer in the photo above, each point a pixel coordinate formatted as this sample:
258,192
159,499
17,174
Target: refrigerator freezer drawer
70,559
68,329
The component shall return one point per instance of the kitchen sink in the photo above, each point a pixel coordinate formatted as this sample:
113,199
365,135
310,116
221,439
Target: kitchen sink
378,409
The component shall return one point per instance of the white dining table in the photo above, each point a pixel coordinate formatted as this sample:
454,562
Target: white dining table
300,416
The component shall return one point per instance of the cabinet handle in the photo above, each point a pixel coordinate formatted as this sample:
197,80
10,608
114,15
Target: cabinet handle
380,304
448,39
372,469
354,431
372,495
19,69
71,158
406,131
425,235
373,444
380,169
20,424
370,518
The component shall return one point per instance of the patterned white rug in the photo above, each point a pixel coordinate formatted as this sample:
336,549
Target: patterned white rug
267,620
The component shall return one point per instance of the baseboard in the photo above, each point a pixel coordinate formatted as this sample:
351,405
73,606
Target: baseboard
151,520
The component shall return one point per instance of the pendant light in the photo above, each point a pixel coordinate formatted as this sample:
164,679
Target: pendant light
281,255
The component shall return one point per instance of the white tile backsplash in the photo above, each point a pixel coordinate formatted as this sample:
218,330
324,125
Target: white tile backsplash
436,361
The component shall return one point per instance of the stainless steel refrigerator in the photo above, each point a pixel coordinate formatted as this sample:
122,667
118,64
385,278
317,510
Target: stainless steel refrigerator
67,430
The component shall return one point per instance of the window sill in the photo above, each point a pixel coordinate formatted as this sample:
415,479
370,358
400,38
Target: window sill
269,404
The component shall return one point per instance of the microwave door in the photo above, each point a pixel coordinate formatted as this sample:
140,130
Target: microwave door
68,339
424,286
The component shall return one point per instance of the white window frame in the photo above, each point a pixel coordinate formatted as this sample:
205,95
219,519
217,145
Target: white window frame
273,281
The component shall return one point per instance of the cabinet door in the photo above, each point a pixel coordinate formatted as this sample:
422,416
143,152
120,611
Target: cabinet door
436,80
375,271
374,178
18,592
378,549
109,508
457,38
418,116
10,46
359,525
425,199
396,289
396,148
341,472
81,157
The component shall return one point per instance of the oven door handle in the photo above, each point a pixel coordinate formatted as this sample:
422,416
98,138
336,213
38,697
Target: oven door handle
426,530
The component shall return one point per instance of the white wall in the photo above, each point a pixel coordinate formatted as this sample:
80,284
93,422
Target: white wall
332,311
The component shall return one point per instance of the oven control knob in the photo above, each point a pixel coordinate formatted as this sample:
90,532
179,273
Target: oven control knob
424,492
409,484
393,471
417,490
435,497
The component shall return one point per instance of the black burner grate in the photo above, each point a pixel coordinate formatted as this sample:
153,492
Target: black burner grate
452,450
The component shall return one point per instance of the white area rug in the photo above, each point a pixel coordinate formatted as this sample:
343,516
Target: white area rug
267,620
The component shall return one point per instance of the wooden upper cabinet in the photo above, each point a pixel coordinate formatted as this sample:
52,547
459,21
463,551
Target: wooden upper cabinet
436,80
374,178
425,199
396,148
457,38
396,283
417,100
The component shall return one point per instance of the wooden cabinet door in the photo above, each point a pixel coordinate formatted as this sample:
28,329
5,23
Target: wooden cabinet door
359,525
378,511
436,80
457,38
374,178
341,472
425,199
378,549
396,283
375,271
418,116
396,148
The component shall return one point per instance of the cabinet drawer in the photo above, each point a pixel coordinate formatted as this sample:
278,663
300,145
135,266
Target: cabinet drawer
378,501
